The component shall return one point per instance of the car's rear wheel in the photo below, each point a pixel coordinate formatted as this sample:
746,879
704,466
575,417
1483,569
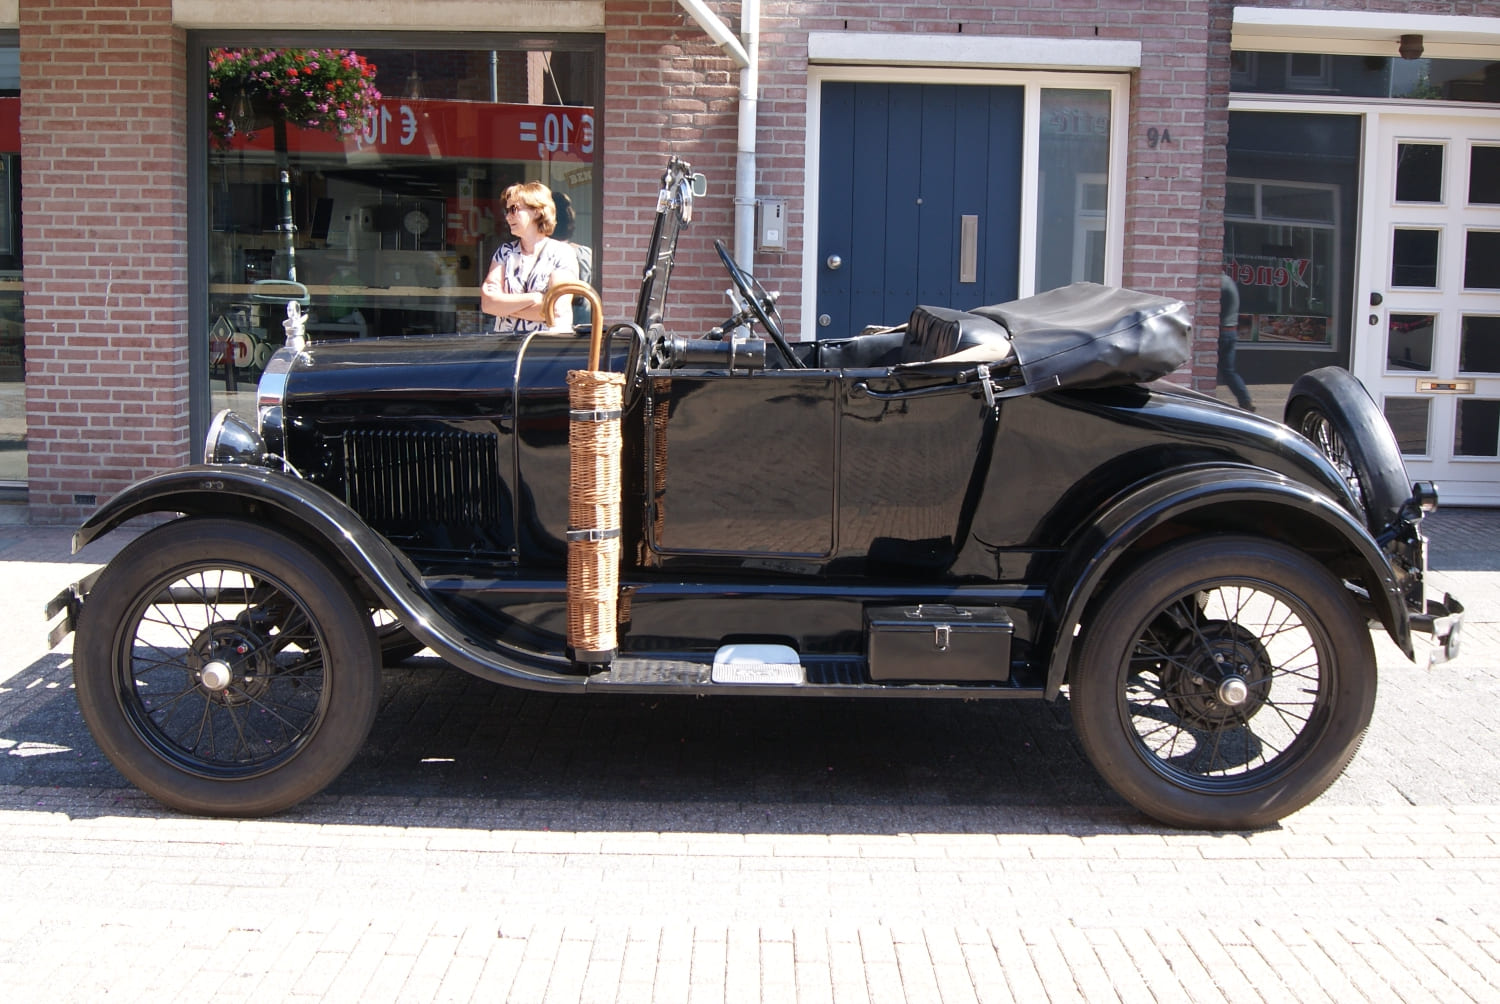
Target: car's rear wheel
1224,683
225,668
1332,408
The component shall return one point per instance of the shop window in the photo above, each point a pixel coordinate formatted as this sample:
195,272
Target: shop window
1283,257
13,452
1290,222
379,209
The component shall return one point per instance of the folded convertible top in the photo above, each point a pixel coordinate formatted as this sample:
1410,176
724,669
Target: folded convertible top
1087,335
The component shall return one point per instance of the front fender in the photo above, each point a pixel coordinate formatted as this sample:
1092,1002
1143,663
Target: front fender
1212,498
322,519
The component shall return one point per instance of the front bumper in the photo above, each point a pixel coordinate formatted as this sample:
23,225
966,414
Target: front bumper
1443,620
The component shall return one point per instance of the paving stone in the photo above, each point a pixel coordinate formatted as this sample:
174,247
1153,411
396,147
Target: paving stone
675,850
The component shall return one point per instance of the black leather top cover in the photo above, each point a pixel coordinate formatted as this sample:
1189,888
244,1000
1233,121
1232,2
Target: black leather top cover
1088,335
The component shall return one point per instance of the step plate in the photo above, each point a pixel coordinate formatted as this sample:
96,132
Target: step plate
768,664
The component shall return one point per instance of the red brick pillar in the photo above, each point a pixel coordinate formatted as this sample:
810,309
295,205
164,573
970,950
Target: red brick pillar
104,198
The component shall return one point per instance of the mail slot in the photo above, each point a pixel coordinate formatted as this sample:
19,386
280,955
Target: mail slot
938,642
1445,386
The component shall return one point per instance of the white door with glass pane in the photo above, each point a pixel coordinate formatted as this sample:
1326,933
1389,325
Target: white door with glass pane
1429,316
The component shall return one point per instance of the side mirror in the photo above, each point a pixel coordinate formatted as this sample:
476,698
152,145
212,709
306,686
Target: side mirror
700,185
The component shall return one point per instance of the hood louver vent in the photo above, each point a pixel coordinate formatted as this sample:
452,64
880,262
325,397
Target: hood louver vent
396,478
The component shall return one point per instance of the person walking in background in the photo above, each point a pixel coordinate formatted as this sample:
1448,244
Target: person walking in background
523,269
1229,328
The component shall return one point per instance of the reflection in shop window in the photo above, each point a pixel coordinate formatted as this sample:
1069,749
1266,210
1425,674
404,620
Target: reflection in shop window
13,465
1408,418
1366,76
1408,342
1484,175
1280,251
1308,71
1477,431
1482,259
1479,344
386,218
1419,172
1414,258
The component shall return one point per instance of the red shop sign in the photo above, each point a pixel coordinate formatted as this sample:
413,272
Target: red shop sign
450,130
10,125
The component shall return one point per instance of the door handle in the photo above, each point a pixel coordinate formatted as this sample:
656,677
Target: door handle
968,248
834,263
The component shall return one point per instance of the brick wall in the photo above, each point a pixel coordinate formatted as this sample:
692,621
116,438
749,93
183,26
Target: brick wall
104,135
105,229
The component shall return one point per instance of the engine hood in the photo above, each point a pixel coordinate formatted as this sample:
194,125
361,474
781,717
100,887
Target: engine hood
434,367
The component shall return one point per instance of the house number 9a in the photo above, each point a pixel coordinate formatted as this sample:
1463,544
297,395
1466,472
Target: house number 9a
1155,136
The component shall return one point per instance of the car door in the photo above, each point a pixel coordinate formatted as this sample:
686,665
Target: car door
741,466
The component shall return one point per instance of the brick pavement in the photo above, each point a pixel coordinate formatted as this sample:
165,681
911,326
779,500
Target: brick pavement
501,846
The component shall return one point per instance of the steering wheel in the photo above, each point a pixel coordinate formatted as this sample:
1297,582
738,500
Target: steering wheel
762,303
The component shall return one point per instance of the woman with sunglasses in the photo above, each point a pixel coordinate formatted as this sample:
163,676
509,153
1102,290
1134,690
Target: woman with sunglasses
524,268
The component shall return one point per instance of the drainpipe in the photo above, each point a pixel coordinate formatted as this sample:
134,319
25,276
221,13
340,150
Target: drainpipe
744,158
747,57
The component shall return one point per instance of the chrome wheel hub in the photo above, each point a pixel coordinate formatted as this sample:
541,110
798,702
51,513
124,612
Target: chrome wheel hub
1233,691
215,675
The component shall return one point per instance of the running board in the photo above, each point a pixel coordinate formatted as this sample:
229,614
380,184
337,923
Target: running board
827,676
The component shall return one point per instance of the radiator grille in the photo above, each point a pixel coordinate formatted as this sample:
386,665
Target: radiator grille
400,477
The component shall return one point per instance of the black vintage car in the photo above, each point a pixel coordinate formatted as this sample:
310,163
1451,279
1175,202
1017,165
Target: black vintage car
1003,502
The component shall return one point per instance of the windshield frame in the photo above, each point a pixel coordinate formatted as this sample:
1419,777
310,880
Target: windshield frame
674,211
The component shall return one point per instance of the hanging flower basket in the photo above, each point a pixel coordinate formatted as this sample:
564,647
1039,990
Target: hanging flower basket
331,90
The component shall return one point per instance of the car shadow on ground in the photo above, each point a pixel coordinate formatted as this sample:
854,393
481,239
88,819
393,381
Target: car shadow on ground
452,750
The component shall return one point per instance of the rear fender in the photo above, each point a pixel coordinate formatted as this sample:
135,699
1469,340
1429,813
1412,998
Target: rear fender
326,523
1207,499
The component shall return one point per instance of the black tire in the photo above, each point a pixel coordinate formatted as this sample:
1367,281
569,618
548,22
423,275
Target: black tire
1154,697
396,643
1333,409
225,668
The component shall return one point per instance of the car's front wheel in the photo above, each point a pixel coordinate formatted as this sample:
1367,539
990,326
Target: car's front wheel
225,668
1224,683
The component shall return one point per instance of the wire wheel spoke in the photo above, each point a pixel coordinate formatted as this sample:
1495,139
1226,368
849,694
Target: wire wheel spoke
223,671
1223,685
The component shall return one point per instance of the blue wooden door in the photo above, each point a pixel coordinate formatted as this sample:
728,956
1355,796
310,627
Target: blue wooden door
900,167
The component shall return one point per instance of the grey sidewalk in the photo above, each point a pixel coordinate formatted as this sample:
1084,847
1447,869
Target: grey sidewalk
491,845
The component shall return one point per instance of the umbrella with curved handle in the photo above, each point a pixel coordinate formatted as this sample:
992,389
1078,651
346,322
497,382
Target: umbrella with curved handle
595,403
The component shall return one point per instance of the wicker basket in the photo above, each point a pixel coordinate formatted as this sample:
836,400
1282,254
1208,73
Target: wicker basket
595,400
594,445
